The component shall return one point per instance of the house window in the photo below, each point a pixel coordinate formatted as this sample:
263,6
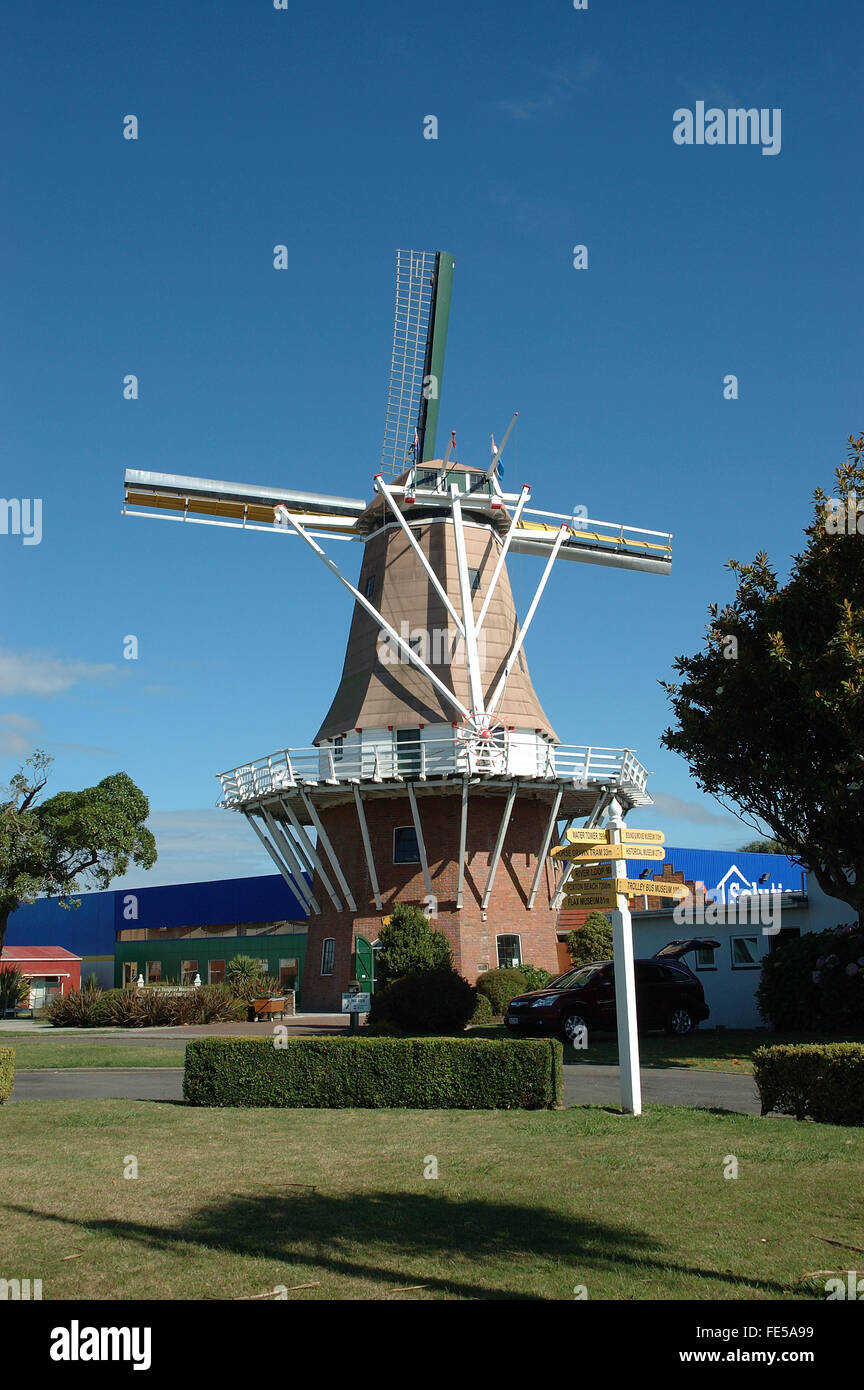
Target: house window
338,748
288,973
405,847
328,949
370,586
509,951
216,972
474,580
188,971
705,958
130,972
745,952
154,972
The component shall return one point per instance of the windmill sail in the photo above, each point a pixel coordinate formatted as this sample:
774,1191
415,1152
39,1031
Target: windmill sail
423,286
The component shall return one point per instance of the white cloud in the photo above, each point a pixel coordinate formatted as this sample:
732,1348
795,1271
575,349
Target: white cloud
694,811
198,845
40,673
16,739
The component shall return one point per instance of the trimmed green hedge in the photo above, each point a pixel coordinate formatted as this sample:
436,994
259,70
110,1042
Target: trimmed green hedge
7,1072
824,1081
374,1073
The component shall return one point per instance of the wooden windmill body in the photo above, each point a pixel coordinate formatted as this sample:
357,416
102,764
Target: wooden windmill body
435,776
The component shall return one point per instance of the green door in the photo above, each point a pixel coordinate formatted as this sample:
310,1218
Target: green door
364,964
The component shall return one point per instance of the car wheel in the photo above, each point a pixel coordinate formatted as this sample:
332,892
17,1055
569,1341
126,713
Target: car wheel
570,1025
680,1023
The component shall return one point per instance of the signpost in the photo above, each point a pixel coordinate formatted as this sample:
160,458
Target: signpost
629,835
589,899
355,1003
589,853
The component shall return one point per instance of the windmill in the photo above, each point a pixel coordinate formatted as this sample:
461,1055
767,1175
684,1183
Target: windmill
435,776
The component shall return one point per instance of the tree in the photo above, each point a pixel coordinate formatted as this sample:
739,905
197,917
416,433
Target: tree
770,716
761,847
593,941
409,944
70,841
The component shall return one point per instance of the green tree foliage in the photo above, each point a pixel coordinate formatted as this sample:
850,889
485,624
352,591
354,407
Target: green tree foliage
593,941
761,847
426,1001
815,982
70,841
409,944
770,715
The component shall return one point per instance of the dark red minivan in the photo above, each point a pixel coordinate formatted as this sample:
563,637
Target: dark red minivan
668,995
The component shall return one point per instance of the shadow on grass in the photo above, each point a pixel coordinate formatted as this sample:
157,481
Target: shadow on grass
404,1237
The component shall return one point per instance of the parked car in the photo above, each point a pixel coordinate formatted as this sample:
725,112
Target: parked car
668,995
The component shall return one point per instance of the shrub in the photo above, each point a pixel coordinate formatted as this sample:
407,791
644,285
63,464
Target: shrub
815,981
408,945
7,1072
482,1011
119,1007
80,1008
415,1073
593,941
14,988
241,974
535,976
824,1081
210,1004
426,1001
500,986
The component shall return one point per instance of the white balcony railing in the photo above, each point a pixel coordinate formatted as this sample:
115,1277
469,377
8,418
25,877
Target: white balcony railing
291,768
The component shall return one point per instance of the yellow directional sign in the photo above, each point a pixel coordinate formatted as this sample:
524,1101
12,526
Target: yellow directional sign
642,837
587,853
589,871
576,884
604,837
590,900
635,886
588,837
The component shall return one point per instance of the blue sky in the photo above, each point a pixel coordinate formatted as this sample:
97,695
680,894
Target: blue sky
305,127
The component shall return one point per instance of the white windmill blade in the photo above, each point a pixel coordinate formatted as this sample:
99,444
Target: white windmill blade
234,504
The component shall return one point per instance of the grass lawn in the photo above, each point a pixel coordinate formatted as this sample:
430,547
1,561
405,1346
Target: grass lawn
710,1051
53,1053
231,1203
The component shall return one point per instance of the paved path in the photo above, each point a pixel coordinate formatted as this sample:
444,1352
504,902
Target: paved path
584,1084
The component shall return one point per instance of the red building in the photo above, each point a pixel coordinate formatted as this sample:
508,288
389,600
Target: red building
51,970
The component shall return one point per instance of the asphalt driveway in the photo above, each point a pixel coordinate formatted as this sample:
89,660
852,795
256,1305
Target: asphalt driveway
584,1084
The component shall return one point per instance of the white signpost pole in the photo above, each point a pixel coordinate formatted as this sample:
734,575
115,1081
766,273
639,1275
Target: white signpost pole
625,979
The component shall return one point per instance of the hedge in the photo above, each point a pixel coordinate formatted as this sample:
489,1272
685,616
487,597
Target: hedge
375,1073
7,1072
822,1081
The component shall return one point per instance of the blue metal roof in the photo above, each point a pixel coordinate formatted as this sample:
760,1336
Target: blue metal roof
89,930
722,868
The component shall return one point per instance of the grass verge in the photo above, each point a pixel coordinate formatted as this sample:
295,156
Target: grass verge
525,1205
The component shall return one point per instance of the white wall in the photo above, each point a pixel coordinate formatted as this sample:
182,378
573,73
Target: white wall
730,992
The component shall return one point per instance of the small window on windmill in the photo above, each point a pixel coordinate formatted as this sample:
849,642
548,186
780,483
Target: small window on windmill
338,748
474,580
509,952
370,586
405,847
